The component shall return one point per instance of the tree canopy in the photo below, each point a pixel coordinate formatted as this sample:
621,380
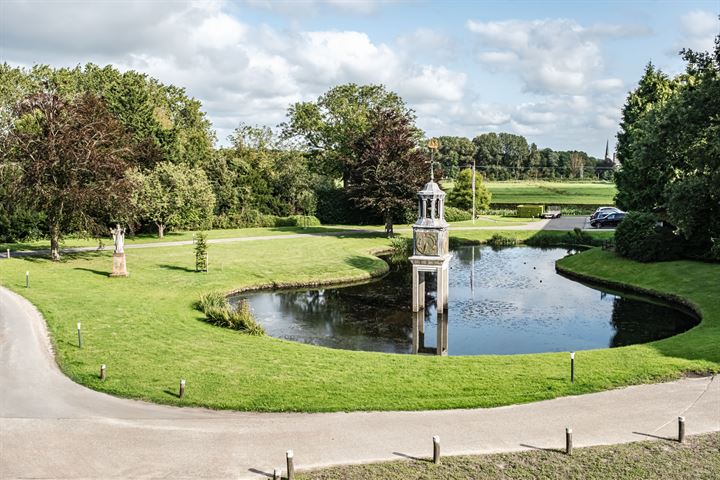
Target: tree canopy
72,157
389,169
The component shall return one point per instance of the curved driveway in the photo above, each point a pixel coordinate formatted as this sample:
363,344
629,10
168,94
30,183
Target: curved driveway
51,427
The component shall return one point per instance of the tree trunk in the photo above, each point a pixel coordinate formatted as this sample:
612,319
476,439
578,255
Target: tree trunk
388,225
55,242
161,230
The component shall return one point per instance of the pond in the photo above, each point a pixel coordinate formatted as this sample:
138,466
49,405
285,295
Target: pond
502,301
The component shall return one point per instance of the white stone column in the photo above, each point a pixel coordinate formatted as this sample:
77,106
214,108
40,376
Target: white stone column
418,289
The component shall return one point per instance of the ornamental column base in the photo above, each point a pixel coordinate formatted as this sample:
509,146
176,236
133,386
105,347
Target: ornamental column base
119,265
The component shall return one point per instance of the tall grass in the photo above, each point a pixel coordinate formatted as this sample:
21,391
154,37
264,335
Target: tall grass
219,312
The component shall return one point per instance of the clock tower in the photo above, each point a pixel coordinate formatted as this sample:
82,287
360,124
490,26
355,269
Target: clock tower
430,246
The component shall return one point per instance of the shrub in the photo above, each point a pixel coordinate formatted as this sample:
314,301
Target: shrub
578,237
461,194
218,311
499,240
529,211
253,219
453,214
641,237
297,221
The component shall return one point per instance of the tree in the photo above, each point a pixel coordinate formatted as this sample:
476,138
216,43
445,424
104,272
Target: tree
331,127
389,169
645,167
461,196
164,123
174,196
73,156
577,165
454,152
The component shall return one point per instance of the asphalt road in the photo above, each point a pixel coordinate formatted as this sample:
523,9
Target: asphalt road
51,427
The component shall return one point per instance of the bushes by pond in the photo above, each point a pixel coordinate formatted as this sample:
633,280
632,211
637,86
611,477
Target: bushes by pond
640,236
219,312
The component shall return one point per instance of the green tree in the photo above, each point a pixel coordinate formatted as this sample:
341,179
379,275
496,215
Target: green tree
461,196
174,196
73,157
645,167
165,124
454,152
331,127
389,168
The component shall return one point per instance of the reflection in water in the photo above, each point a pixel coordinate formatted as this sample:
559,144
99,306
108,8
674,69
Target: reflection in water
502,301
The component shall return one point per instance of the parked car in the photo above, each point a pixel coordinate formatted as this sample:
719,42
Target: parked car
602,211
610,220
552,211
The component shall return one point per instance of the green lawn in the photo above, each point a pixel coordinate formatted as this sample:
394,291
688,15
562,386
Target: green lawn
552,193
146,330
71,242
697,459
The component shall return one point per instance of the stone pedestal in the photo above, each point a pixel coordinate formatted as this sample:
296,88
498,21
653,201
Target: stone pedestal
119,265
426,264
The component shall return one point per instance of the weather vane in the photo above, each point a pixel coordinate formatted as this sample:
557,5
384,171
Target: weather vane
433,145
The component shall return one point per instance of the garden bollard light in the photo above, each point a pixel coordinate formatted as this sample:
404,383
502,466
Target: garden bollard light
436,449
290,466
277,474
568,441
79,336
572,367
102,372
8,253
681,429
27,279
182,387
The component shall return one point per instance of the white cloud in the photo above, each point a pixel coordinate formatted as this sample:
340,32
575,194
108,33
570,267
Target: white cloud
307,7
240,72
699,29
550,56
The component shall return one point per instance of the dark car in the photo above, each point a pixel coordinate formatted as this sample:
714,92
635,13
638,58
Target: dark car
602,211
609,220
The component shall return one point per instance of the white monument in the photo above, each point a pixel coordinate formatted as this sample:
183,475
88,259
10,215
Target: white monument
119,264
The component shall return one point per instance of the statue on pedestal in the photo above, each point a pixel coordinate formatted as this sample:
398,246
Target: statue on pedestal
119,265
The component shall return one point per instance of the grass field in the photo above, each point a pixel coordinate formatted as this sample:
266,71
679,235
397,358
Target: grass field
71,242
146,330
552,193
697,459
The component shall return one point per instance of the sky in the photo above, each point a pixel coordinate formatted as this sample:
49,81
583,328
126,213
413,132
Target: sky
557,72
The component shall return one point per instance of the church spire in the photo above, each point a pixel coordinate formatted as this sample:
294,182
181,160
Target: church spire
607,149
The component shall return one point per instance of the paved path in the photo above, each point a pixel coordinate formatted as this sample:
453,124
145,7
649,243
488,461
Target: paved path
564,223
51,427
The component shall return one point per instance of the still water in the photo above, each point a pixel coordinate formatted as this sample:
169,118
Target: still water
502,301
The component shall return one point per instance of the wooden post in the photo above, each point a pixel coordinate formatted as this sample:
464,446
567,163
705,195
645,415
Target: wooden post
681,429
102,372
572,367
277,474
182,387
290,466
79,336
436,449
568,441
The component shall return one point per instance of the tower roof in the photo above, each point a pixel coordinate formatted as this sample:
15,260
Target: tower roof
431,189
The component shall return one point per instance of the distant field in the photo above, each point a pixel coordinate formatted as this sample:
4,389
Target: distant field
549,193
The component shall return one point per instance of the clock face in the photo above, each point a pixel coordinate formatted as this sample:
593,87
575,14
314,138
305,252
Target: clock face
426,243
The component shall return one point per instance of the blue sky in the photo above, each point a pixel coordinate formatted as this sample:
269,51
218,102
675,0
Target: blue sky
555,71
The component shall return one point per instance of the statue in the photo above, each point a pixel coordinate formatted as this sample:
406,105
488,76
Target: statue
119,265
119,238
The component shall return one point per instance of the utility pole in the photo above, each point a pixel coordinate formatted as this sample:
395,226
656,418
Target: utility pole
473,192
